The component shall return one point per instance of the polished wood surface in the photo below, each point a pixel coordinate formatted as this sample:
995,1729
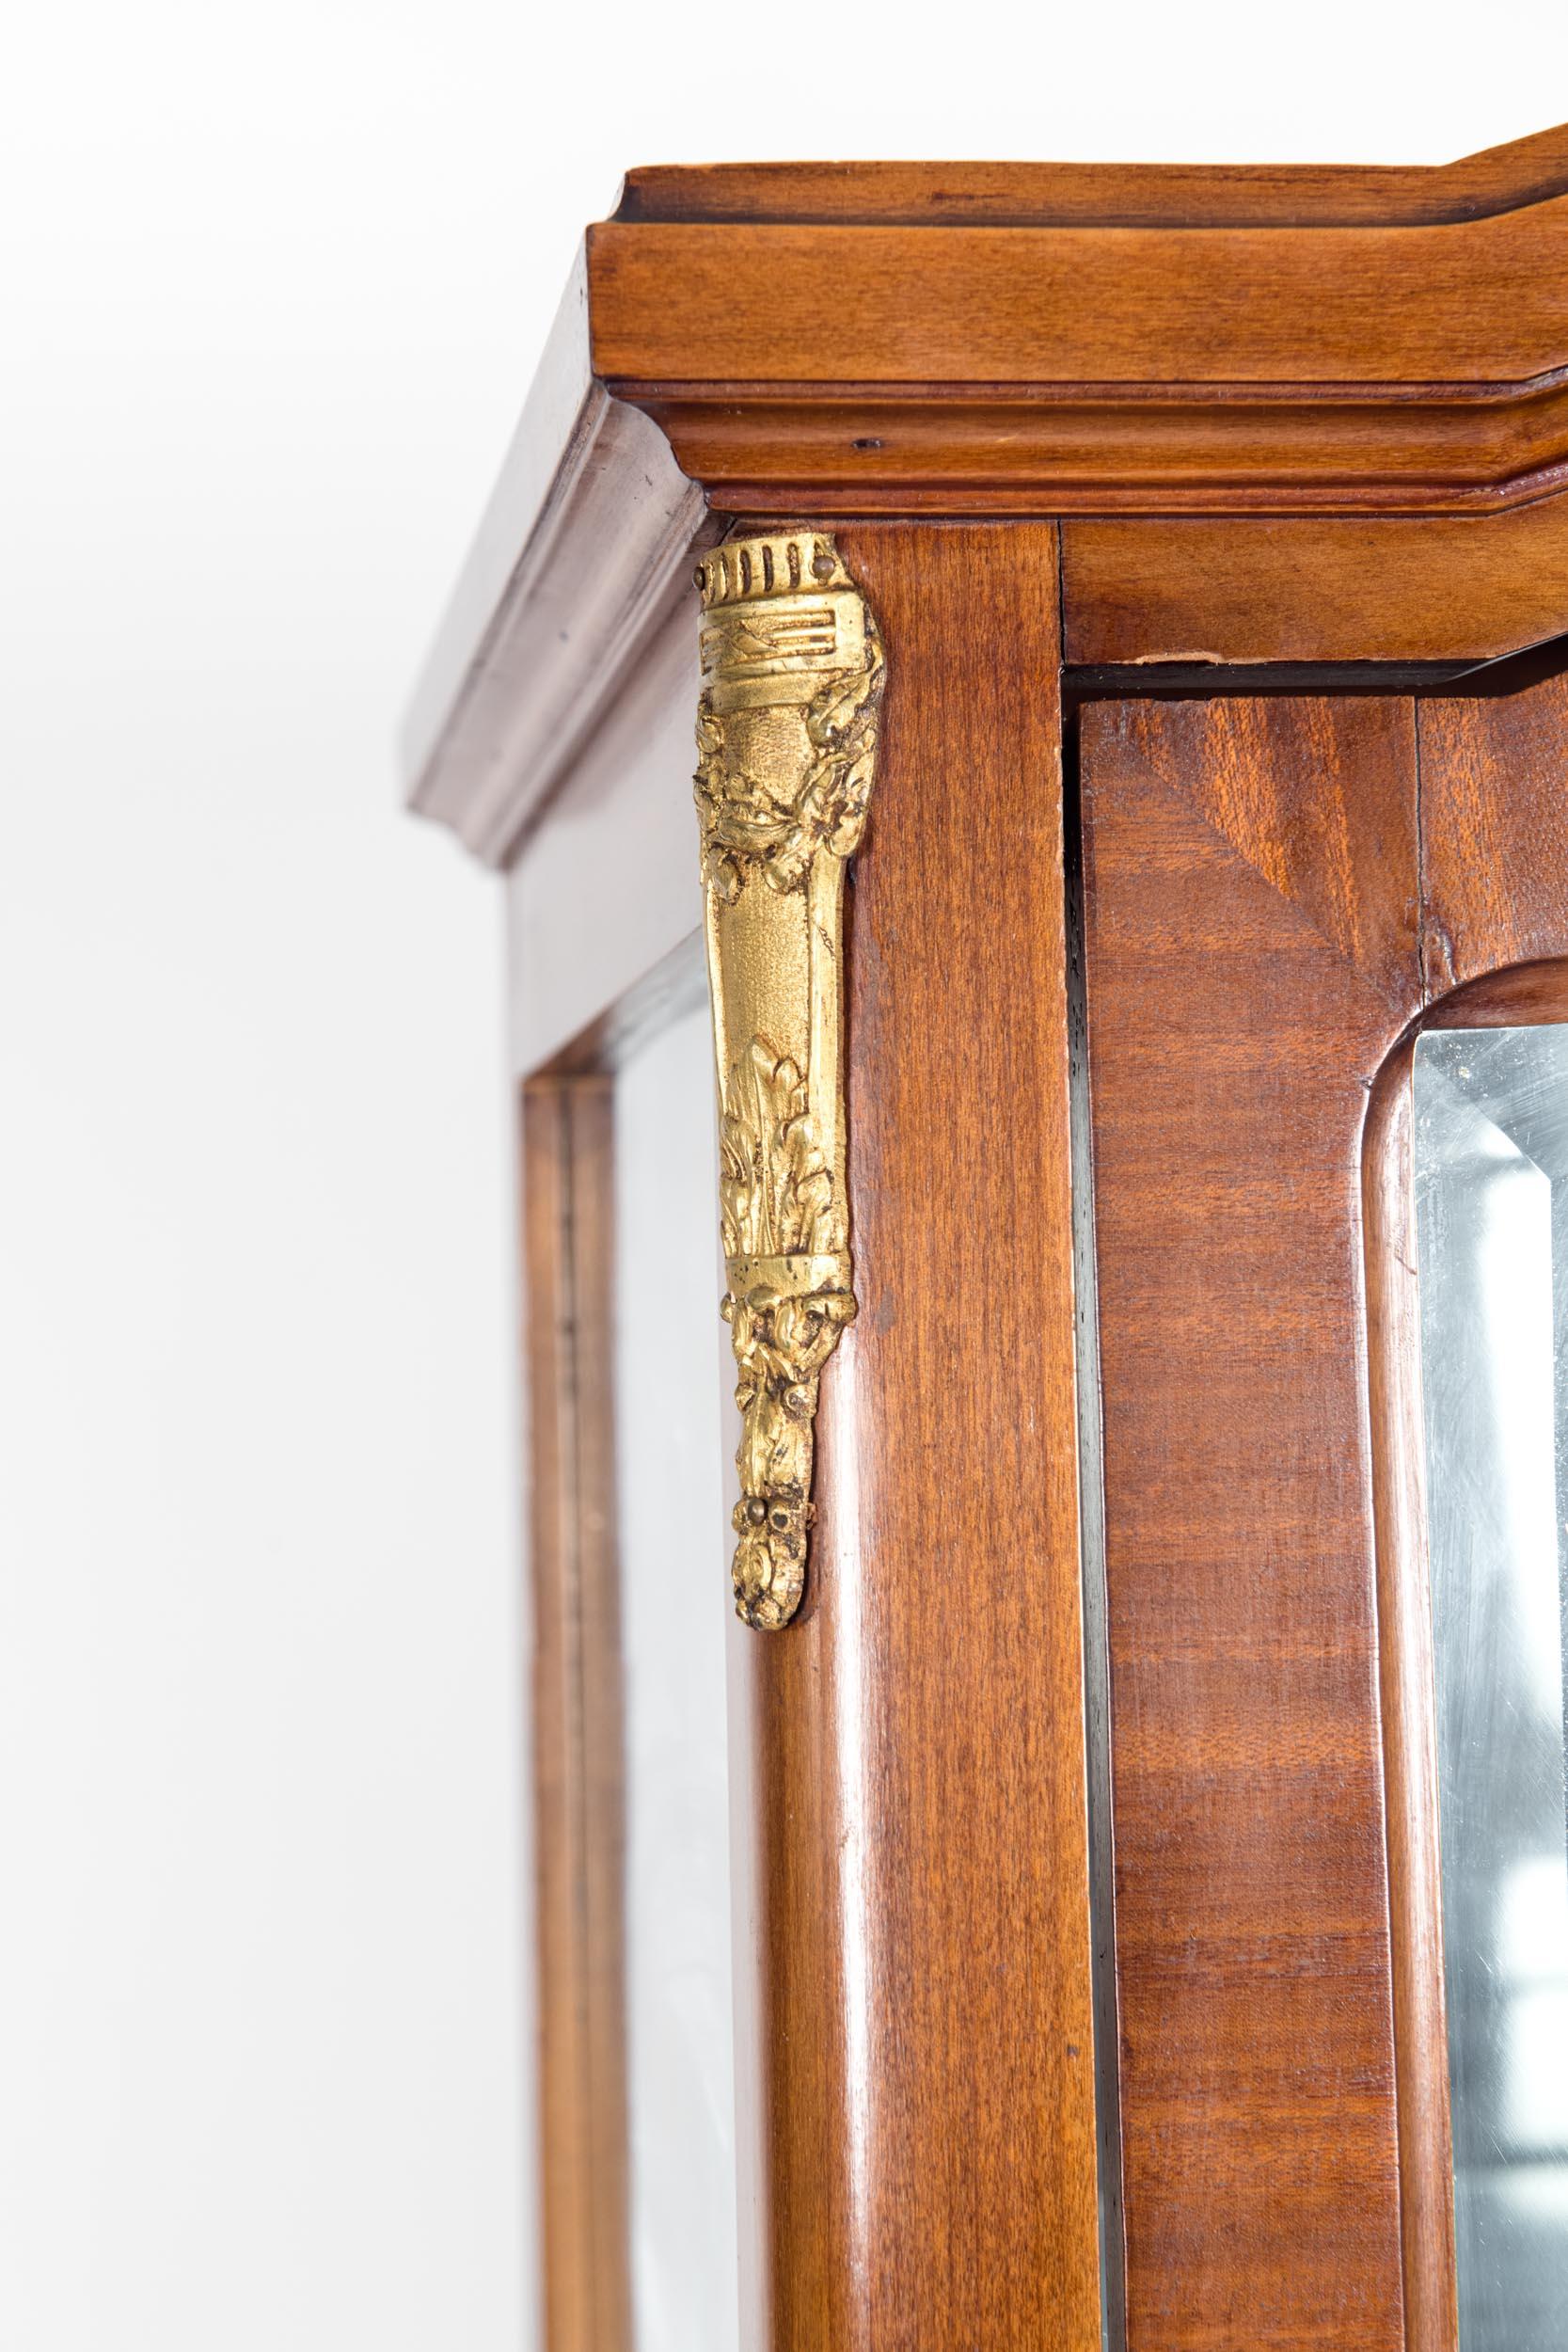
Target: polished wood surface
919,1766
1250,589
1495,826
1481,305
578,1776
1287,415
1276,889
1252,957
1279,363
1282,419
1071,450
1278,892
1023,195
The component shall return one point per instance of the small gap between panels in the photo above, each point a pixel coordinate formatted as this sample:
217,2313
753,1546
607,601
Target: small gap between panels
1195,681
1097,1686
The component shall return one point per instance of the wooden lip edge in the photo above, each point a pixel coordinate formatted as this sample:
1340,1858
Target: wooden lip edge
1503,179
565,1143
918,499
1518,995
1404,1666
1524,994
978,347
1179,393
1223,447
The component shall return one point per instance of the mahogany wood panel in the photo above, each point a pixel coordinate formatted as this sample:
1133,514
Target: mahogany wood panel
1520,995
579,1812
1494,829
1251,876
925,1987
1342,350
857,362
1020,195
1481,303
1388,588
1073,449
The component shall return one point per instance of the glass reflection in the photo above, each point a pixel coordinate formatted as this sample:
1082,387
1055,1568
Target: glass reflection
1492,1225
671,1391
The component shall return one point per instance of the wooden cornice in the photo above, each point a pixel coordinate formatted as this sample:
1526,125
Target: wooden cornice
905,348
1104,195
583,544
1256,382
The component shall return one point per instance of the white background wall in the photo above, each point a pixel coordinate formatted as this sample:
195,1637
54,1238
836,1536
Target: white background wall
271,284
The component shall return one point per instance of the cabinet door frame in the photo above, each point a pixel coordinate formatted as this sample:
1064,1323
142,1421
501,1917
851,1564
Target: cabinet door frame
1242,479
1520,995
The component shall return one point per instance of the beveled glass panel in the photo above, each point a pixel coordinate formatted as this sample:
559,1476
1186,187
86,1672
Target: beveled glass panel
673,1375
1492,1224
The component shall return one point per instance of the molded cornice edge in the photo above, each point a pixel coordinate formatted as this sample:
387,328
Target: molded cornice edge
583,543
1105,196
1277,356
1265,366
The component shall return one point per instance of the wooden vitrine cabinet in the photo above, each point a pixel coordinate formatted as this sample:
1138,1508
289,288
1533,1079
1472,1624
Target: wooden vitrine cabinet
1103,1031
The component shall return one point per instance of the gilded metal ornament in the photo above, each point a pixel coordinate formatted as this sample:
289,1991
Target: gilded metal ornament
786,737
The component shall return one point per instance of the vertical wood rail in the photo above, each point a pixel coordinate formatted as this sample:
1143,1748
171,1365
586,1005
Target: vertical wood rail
924,1967
1251,927
578,1816
1407,1687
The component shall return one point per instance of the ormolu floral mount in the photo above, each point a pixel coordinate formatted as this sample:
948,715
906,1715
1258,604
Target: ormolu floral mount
786,735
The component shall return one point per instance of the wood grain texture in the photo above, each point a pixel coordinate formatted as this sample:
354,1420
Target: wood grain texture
1495,828
578,1746
1325,589
1107,450
1251,921
1335,354
920,1762
1480,303
1023,195
1283,366
1520,995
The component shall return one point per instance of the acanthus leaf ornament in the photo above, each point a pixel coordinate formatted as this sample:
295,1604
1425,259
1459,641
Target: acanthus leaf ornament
786,737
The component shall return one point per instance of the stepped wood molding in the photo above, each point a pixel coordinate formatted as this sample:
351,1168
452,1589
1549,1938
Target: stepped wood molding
1295,414
583,544
1070,339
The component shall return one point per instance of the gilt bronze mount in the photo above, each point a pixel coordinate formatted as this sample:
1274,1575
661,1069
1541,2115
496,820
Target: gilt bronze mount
786,734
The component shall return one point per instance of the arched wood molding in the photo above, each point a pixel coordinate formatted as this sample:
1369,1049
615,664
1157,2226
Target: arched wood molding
1521,995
